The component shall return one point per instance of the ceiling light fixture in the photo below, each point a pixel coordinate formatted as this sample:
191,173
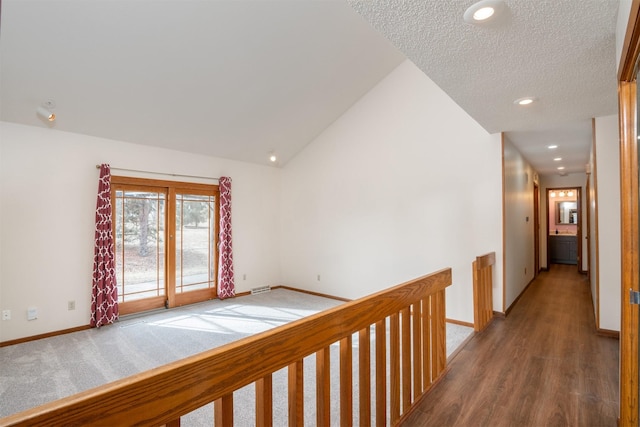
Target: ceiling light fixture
560,168
562,193
552,147
525,101
46,114
273,158
482,11
557,159
44,111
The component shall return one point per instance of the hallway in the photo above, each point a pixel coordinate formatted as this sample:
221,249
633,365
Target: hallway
543,365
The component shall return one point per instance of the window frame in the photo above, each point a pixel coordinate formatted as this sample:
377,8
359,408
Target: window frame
170,189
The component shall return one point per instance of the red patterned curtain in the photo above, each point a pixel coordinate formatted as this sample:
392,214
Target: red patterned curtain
226,287
104,295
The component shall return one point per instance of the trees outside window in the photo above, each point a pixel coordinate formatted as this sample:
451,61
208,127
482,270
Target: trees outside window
165,242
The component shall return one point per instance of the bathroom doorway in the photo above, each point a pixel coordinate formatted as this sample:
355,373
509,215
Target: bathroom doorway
564,226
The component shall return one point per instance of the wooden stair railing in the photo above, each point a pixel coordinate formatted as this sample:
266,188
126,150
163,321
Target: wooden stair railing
413,314
482,290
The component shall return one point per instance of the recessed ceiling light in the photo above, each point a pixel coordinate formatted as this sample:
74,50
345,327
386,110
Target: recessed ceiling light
557,159
273,158
560,168
484,13
525,101
552,147
483,10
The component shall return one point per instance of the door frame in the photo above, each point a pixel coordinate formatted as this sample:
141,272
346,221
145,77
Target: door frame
591,215
170,298
627,99
536,229
579,228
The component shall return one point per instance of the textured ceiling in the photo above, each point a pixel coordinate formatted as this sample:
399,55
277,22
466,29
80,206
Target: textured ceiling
560,51
237,79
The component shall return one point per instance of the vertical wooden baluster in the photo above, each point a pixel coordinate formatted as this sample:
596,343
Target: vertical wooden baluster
435,339
364,372
483,298
381,373
296,395
223,411
485,289
477,298
174,423
406,359
264,401
439,335
346,382
323,387
443,332
394,366
486,285
489,284
417,343
426,343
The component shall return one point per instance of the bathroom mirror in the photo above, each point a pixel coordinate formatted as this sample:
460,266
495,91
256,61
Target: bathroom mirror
566,212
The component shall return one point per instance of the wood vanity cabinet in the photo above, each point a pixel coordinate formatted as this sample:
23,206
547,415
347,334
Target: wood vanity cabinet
563,249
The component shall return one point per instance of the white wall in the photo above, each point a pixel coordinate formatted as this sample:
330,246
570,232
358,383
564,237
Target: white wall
48,186
403,184
519,223
608,208
572,180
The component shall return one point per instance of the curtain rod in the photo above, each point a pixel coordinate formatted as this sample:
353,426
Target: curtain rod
162,173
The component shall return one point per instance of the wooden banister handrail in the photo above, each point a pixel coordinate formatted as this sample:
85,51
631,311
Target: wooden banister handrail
162,395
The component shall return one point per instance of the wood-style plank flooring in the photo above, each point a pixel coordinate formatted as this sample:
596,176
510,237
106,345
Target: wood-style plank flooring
543,365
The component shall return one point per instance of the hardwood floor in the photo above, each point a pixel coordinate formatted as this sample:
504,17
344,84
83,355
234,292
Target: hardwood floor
543,365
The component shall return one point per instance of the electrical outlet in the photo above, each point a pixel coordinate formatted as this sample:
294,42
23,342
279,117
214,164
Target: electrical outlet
244,277
6,314
71,305
318,277
32,313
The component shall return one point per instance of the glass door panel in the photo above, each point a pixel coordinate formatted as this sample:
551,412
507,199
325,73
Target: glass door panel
139,235
195,243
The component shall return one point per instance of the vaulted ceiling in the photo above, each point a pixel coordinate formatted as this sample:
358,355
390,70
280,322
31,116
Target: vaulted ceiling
239,79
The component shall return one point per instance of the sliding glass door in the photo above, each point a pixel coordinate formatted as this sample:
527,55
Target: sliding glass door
165,243
195,247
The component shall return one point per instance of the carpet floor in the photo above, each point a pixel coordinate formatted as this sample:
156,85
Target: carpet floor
36,372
